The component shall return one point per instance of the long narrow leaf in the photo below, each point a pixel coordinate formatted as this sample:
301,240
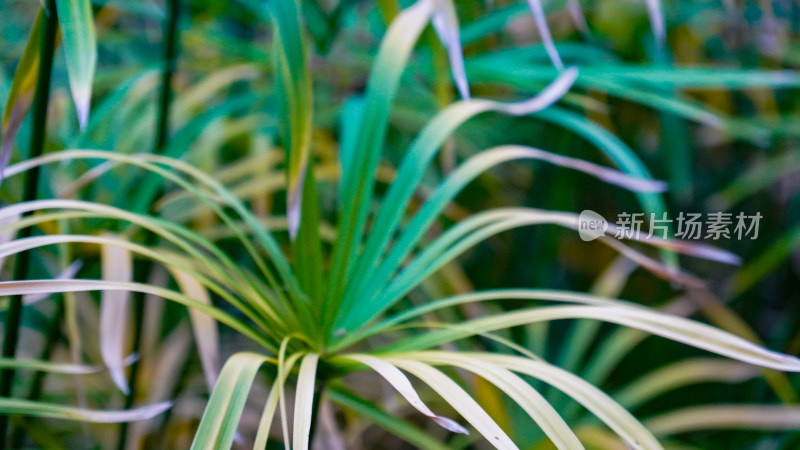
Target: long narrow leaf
522,393
295,95
672,327
304,401
49,410
218,426
453,394
204,327
726,417
394,425
601,405
357,192
47,366
537,11
7,232
445,22
115,314
66,286
20,96
683,373
400,382
419,156
80,48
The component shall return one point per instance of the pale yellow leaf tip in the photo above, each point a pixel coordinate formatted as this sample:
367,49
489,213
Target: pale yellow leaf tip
450,425
83,100
132,415
118,377
293,213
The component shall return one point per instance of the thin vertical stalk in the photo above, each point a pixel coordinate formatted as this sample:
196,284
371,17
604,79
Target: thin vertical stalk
170,62
162,135
31,183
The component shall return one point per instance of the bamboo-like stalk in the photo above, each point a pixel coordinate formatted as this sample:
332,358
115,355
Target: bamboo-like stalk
162,135
31,183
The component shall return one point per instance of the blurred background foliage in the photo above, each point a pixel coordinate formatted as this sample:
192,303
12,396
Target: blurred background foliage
701,112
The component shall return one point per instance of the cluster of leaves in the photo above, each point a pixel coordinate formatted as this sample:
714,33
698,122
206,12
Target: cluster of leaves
369,225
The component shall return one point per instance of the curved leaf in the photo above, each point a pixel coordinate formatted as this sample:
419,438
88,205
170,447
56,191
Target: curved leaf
204,327
49,410
403,386
453,394
117,265
600,404
683,373
218,426
521,392
304,401
720,417
671,327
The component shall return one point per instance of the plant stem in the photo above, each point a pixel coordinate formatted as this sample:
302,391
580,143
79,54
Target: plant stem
38,131
162,134
170,60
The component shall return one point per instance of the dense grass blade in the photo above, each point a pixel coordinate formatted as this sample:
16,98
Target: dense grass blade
604,407
265,424
459,399
295,95
612,147
115,312
671,327
205,330
403,386
51,367
20,96
533,403
445,22
49,410
725,417
528,78
63,286
49,32
480,227
416,161
578,18
526,63
349,123
80,48
656,16
683,373
66,274
7,232
308,247
377,415
224,409
357,192
304,402
460,178
544,32
262,235
495,295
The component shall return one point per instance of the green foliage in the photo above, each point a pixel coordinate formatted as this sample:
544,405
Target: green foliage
325,240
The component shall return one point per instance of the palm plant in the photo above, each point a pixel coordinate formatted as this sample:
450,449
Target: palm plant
321,314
